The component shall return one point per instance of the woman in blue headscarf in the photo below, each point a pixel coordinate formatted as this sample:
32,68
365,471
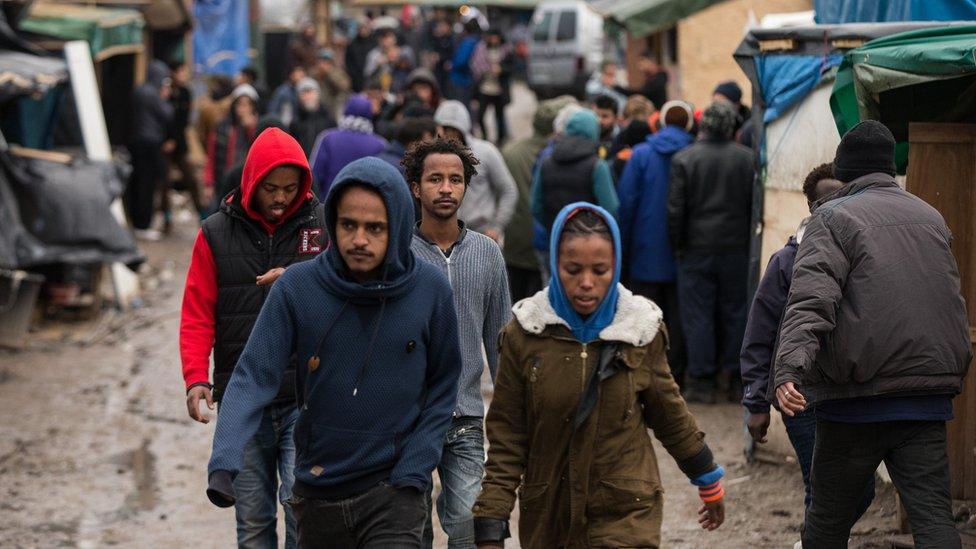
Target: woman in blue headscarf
583,374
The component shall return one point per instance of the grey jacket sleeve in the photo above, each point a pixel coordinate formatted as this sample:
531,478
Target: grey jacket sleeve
676,206
819,275
503,187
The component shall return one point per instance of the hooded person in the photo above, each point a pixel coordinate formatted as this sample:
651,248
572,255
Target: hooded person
643,192
312,117
492,194
520,156
423,83
574,172
375,334
583,374
152,115
267,225
228,145
353,139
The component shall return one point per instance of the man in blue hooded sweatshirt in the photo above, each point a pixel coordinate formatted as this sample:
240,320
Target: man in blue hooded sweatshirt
375,332
643,191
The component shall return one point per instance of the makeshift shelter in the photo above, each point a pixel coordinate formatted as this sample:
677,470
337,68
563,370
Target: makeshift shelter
928,75
644,17
792,71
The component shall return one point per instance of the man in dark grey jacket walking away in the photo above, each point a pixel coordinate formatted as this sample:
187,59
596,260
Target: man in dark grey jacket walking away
439,172
876,337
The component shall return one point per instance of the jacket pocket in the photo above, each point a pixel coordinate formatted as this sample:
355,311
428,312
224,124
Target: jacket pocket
336,453
623,496
531,496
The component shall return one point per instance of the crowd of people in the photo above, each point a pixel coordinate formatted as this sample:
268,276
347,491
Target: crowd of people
356,269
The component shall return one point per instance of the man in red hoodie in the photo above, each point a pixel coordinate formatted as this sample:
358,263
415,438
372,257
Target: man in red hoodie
270,222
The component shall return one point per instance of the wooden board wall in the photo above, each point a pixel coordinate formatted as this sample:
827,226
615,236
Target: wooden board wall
942,171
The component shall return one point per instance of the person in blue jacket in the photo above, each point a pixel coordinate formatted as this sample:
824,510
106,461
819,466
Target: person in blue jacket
649,266
375,333
765,316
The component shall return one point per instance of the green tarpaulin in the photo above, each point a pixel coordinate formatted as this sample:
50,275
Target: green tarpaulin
515,4
919,76
104,29
644,17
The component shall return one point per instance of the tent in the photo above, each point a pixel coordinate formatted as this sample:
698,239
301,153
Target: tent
108,31
859,11
926,75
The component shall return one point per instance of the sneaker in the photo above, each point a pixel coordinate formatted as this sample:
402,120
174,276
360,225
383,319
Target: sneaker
798,545
148,235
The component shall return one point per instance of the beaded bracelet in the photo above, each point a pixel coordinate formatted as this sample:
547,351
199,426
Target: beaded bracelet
711,493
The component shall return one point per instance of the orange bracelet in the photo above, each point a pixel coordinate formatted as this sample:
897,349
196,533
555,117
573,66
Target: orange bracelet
711,493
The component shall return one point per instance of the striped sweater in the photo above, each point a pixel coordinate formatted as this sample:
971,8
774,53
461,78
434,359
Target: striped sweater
476,269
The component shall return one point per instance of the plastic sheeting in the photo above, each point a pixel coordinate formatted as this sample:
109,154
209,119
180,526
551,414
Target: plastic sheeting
785,80
644,17
220,39
53,213
875,11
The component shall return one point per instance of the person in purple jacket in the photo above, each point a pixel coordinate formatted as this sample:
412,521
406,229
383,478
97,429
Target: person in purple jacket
765,315
352,140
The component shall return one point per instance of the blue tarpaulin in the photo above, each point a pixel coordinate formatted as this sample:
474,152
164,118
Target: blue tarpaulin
881,11
220,39
786,79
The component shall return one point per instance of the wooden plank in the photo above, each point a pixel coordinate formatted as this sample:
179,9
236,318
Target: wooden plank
784,44
95,135
941,171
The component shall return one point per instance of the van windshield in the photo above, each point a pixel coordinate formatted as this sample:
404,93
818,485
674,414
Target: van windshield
540,33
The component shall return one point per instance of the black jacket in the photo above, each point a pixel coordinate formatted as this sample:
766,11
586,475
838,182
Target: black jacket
242,250
151,114
566,175
710,198
875,305
307,126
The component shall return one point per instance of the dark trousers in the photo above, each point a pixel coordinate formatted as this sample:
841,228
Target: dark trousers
802,431
845,457
665,295
523,283
188,181
712,291
383,517
148,168
497,102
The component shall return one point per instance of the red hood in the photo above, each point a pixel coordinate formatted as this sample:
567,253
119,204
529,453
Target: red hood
271,149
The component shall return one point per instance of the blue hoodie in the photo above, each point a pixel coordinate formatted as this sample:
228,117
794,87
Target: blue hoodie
588,329
643,191
378,405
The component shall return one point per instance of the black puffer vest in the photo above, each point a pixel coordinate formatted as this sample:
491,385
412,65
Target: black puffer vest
567,175
242,250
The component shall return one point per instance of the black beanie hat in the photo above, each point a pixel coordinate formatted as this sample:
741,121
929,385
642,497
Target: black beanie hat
730,90
866,148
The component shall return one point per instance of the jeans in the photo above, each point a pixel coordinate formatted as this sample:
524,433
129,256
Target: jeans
383,517
665,295
461,468
712,290
846,455
802,431
268,456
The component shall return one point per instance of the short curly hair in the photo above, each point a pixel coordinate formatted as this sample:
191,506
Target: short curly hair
818,174
413,160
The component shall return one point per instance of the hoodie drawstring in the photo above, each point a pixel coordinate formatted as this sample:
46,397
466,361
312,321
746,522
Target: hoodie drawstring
369,349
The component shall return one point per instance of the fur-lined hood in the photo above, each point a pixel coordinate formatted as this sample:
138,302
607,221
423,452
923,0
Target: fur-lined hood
636,322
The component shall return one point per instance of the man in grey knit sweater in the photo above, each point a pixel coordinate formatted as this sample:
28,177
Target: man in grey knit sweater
439,172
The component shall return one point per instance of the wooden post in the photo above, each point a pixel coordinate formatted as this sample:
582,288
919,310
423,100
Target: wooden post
941,171
322,13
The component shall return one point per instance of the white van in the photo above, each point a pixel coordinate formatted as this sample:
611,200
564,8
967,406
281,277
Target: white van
566,45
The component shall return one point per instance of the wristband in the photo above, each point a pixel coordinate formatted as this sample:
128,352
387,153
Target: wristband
711,493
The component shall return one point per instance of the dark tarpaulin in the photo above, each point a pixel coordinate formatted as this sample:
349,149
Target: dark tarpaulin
54,213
